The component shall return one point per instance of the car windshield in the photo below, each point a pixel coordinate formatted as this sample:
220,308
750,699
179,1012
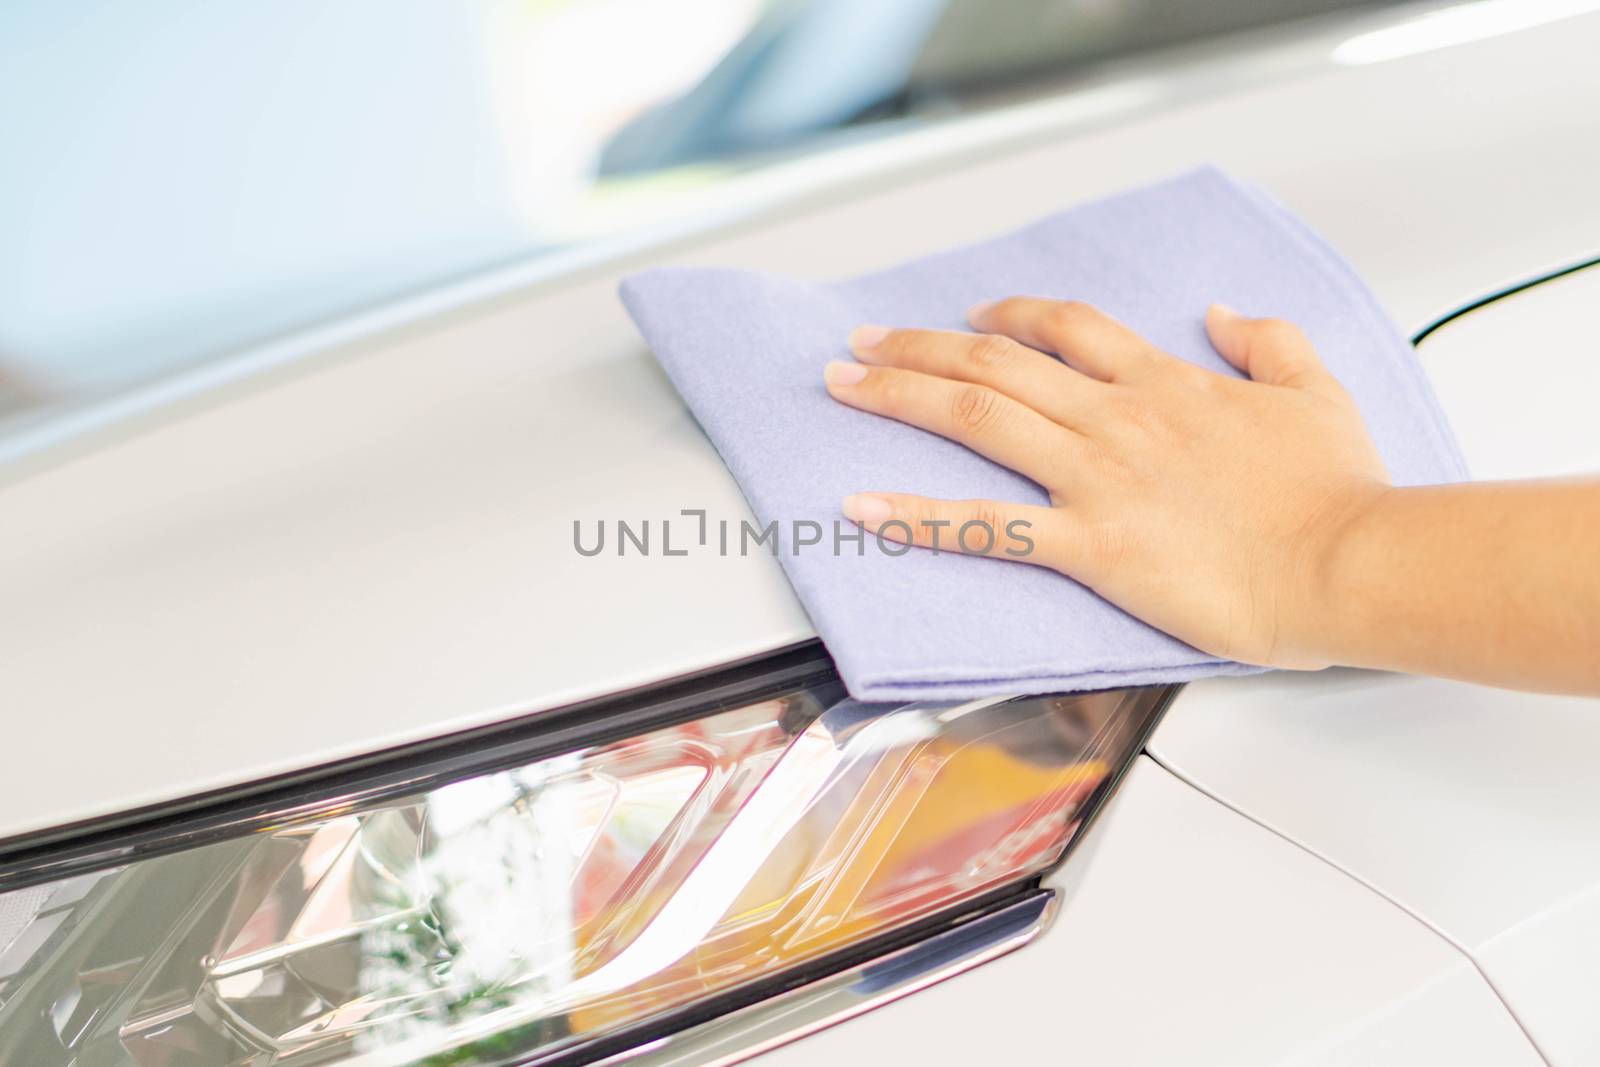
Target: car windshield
185,181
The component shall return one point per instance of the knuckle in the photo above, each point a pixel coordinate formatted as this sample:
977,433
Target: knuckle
1336,392
923,515
1205,383
974,408
1106,545
1070,314
1297,377
1135,414
886,386
1098,457
898,343
987,515
1106,463
1278,331
989,351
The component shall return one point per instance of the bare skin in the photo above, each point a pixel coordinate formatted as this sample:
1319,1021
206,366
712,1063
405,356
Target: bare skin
1251,518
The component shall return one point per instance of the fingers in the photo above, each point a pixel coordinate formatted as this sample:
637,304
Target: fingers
1022,373
1268,350
1021,532
988,422
1085,338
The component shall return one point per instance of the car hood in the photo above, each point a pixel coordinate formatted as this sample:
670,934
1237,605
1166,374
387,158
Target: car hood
375,546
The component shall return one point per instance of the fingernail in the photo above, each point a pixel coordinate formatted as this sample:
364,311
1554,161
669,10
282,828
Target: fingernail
1224,312
867,337
840,373
866,509
977,310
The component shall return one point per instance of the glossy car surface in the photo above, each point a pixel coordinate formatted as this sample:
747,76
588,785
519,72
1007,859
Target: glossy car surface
370,545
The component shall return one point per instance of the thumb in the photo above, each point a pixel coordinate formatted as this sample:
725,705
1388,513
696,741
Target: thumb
1268,350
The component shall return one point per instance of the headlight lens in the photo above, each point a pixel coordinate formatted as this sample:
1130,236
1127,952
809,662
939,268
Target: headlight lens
529,911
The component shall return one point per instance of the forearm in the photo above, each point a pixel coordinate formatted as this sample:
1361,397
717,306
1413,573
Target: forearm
1494,583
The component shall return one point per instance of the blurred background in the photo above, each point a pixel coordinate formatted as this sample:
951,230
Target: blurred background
184,180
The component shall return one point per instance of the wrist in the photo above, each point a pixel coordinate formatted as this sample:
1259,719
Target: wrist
1329,611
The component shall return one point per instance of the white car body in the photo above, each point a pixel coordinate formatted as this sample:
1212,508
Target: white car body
370,545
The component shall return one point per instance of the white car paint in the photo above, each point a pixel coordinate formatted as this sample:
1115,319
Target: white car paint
1475,809
1189,935
1523,376
378,549
374,548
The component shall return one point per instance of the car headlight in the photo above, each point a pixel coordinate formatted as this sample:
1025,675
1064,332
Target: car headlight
561,890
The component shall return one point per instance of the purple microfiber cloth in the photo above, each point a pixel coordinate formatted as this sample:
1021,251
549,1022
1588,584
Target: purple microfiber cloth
746,350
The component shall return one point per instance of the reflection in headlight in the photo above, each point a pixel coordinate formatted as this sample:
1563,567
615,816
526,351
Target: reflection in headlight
542,906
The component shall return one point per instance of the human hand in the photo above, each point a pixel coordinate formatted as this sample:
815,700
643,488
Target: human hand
1207,505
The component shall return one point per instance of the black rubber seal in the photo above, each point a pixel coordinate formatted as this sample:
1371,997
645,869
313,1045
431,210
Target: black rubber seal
1501,294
